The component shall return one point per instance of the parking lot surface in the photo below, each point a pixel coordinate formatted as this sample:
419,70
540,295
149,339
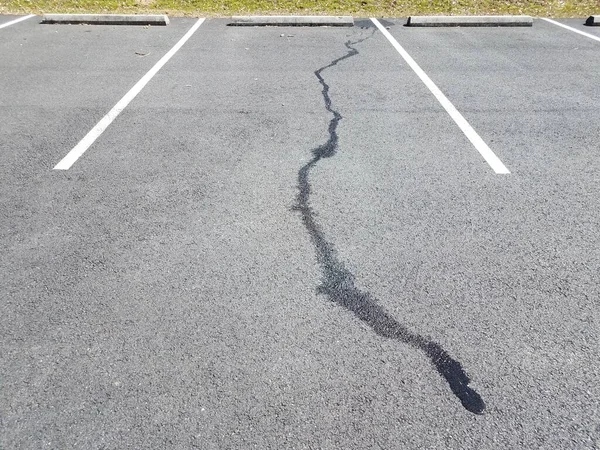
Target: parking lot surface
287,239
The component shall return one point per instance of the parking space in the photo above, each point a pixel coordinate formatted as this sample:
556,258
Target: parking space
286,241
516,87
56,83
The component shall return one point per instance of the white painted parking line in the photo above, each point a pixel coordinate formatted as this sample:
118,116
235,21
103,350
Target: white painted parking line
95,132
462,123
20,19
575,30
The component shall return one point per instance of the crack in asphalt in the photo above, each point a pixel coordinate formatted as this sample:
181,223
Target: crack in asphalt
338,282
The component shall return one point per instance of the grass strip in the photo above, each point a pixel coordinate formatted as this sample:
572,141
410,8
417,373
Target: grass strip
357,8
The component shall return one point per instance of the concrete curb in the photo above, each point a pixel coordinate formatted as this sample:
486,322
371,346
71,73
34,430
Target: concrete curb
469,21
106,19
292,21
593,21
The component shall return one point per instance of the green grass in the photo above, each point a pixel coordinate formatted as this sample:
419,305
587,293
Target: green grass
360,8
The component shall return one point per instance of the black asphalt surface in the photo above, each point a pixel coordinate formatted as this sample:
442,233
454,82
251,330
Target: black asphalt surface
284,241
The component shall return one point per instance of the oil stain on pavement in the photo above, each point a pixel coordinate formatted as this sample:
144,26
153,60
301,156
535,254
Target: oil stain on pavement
338,282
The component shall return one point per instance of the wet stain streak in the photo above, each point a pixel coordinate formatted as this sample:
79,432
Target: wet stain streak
338,282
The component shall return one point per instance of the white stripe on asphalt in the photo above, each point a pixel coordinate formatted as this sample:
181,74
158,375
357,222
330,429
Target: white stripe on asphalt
95,132
469,132
575,30
20,19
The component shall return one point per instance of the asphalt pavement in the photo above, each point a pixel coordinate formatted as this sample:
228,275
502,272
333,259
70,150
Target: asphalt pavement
286,240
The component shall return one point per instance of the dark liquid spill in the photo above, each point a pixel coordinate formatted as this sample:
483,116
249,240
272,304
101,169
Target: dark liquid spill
338,282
